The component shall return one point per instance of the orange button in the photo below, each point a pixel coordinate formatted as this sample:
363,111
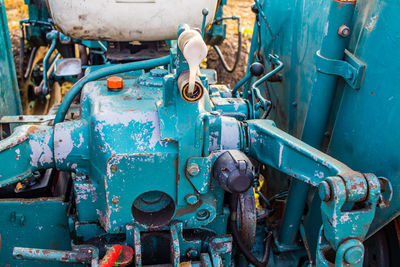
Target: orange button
115,82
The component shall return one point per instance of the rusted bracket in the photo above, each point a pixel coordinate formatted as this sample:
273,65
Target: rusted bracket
351,69
348,208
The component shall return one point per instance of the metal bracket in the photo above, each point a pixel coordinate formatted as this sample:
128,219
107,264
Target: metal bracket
351,69
347,215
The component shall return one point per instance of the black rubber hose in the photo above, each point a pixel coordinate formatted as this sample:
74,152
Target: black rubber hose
236,237
238,53
21,55
30,62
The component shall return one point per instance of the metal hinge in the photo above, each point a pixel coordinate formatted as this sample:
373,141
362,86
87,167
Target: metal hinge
351,69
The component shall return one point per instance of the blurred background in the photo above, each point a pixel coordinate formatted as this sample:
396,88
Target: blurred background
16,10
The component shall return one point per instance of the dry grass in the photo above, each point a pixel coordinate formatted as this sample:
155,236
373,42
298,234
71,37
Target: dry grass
16,10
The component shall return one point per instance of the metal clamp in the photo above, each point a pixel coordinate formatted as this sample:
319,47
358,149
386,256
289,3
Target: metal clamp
347,216
351,69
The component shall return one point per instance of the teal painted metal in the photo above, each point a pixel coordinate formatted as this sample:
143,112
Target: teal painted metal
351,69
376,101
319,105
80,255
19,222
142,158
62,111
10,103
343,116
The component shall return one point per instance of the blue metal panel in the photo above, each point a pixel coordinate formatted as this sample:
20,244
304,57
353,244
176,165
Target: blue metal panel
297,26
10,103
48,225
366,133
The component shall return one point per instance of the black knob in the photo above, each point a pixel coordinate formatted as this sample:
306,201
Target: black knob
256,69
233,171
204,12
254,8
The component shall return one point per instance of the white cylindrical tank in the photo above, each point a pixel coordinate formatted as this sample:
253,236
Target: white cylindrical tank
128,20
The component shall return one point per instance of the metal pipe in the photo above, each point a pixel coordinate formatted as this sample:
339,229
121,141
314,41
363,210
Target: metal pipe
45,89
83,256
95,75
333,46
255,91
240,83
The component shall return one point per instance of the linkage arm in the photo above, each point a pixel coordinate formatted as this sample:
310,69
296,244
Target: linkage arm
277,149
28,149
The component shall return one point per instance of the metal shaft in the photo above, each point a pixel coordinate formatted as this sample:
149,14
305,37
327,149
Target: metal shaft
333,46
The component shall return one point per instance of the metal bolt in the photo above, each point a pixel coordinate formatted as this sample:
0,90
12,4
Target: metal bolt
192,253
324,191
191,199
344,30
354,255
114,168
115,200
203,215
193,169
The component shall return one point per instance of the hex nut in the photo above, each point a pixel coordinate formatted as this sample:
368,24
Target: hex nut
344,30
193,169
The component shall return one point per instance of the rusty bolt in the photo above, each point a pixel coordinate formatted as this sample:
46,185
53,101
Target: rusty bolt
354,255
114,168
324,191
193,169
115,200
191,199
344,30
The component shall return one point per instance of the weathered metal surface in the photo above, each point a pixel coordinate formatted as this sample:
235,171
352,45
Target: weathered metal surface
353,140
82,256
10,103
142,158
32,223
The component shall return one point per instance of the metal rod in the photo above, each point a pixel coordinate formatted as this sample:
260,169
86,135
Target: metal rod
333,46
240,83
45,89
84,256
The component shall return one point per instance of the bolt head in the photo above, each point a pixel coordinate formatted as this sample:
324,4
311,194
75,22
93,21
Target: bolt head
344,31
254,8
203,215
324,191
354,255
193,169
192,253
115,200
191,199
114,168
